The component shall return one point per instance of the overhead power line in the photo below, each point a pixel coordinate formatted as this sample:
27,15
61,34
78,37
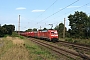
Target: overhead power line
79,7
75,9
46,9
60,10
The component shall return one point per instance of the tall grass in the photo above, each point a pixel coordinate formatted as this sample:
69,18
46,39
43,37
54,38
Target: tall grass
6,44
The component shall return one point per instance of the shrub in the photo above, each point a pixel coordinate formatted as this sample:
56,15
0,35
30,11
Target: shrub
69,40
14,34
75,41
21,37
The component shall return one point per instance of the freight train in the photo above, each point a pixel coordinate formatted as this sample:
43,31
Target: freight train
50,35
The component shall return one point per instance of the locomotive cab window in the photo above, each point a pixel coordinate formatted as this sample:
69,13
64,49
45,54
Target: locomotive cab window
53,32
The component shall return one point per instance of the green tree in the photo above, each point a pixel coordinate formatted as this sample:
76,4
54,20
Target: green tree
9,28
57,27
3,31
60,29
34,29
44,28
78,23
29,30
88,27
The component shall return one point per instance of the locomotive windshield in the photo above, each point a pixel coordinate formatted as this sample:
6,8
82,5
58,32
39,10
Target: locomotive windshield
53,32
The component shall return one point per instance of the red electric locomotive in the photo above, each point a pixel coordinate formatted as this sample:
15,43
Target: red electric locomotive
51,35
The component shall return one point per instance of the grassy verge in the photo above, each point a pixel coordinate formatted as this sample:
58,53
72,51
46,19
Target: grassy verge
38,53
6,44
20,48
15,48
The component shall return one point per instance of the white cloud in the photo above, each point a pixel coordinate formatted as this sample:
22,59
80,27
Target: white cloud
73,6
38,10
20,8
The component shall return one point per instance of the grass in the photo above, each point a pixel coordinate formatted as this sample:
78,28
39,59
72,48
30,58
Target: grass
20,48
15,48
37,53
6,45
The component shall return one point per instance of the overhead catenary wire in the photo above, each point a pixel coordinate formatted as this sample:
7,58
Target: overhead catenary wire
71,11
78,7
59,10
74,9
46,9
56,11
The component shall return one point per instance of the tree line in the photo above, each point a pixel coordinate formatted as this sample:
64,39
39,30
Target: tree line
6,30
79,23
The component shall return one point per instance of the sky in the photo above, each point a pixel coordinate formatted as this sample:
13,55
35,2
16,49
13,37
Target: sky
36,13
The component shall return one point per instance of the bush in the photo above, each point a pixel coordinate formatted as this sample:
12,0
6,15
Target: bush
21,37
69,40
75,41
14,34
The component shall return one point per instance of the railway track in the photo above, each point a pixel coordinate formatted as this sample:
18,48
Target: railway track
62,51
76,47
